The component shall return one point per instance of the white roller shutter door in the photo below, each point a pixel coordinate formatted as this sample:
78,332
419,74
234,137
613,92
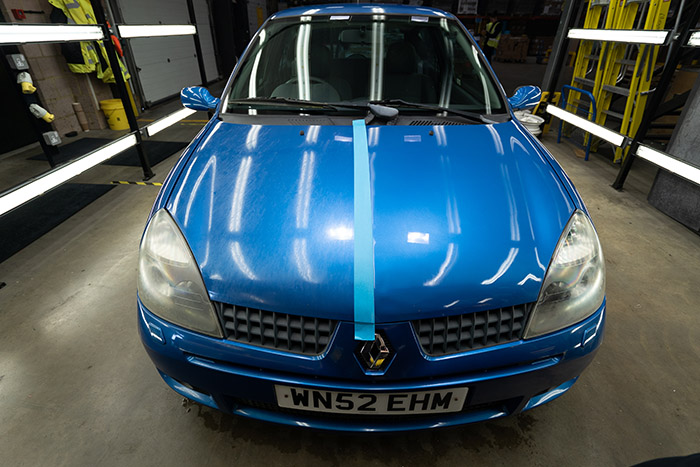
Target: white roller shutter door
167,64
257,14
206,38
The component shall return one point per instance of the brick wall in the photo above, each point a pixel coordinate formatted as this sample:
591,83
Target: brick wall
56,85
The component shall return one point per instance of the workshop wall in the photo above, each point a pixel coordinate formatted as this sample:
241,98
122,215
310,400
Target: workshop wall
56,85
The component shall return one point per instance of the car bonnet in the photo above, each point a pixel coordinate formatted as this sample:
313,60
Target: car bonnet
465,217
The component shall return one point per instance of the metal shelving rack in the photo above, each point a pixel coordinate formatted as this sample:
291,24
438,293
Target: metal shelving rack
18,34
680,40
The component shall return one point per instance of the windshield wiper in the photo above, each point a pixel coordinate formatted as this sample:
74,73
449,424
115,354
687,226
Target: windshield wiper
297,102
473,116
382,112
381,109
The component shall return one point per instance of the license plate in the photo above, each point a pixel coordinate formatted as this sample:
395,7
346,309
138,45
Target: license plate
367,403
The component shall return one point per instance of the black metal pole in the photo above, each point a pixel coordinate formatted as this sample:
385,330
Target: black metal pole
559,48
657,96
197,44
113,11
121,87
677,24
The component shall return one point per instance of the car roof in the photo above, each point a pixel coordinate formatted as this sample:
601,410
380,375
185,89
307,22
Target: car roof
360,8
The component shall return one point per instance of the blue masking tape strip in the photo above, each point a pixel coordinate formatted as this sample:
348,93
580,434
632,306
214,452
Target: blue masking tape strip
363,238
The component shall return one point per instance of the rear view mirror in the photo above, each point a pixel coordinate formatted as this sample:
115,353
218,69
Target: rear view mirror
198,98
525,98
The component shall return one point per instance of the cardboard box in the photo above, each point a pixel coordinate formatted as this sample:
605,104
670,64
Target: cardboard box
512,49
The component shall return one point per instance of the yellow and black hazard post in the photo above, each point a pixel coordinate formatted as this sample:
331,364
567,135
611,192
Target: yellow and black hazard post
125,182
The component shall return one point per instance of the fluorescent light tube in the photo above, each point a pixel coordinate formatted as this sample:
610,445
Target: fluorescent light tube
156,30
619,35
165,122
694,40
24,33
55,177
663,160
587,125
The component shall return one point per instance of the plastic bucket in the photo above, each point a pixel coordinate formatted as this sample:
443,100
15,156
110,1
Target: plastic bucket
114,111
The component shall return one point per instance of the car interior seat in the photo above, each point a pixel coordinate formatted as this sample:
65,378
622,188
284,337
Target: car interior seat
401,77
321,66
355,69
322,86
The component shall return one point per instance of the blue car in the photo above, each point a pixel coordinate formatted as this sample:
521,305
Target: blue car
364,238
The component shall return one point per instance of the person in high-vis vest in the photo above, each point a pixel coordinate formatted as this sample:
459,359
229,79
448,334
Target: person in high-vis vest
493,35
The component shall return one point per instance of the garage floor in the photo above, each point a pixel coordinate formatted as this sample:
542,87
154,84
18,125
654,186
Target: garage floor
76,387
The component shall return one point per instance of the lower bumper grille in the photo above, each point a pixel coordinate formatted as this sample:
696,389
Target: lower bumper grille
281,331
470,331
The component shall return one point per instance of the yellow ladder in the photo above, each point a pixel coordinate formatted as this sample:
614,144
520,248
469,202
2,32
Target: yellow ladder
555,102
606,50
623,15
642,74
595,11
616,59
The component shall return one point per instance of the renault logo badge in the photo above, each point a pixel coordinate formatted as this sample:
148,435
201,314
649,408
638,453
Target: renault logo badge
375,353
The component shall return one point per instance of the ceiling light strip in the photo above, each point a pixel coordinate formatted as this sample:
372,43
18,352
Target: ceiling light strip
128,31
694,40
586,125
663,160
630,36
169,120
26,33
12,199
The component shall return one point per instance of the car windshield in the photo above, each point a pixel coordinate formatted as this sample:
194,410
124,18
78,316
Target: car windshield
359,59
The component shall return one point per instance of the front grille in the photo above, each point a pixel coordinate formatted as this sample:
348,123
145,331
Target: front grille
281,331
461,333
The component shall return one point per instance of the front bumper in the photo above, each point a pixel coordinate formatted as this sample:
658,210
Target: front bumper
240,379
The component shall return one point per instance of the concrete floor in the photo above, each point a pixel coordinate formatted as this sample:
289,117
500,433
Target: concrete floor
77,388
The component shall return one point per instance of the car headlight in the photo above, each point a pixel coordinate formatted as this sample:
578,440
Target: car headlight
169,282
574,286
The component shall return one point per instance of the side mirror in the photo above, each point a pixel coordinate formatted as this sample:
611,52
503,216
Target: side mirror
525,98
198,98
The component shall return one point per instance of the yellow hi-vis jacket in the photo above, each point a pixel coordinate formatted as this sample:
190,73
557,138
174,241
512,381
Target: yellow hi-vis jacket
493,42
80,12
